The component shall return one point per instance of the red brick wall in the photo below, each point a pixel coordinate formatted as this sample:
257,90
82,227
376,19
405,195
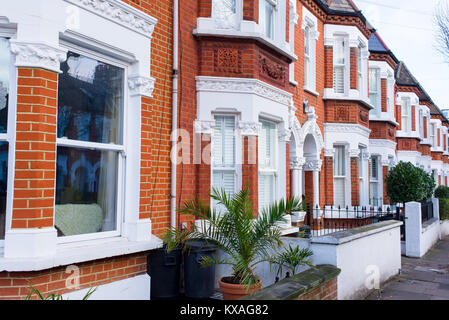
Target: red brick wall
382,130
251,10
15,285
34,184
346,112
413,118
425,127
250,170
327,291
329,70
204,8
384,177
354,78
383,98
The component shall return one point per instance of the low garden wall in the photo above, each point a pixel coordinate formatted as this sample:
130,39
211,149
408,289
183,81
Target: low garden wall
367,257
444,227
420,237
318,283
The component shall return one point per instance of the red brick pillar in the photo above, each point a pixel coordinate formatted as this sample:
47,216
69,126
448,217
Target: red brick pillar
204,169
250,169
355,184
251,10
354,68
308,188
35,167
384,177
205,8
383,86
413,118
329,178
329,66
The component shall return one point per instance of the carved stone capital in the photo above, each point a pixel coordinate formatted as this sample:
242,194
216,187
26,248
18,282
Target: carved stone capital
204,127
354,153
141,86
249,128
38,55
313,165
297,163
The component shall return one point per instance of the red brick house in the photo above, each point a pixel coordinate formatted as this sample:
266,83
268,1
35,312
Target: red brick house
114,112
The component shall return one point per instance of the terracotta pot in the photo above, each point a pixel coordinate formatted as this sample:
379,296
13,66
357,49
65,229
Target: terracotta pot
236,291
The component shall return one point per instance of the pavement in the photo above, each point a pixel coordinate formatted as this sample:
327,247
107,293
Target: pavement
420,279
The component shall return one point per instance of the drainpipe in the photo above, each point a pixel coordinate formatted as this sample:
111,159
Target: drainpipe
174,115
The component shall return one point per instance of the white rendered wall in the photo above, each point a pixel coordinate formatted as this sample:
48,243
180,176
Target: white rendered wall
444,227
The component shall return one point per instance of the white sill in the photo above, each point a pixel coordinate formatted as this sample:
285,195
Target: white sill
313,92
67,254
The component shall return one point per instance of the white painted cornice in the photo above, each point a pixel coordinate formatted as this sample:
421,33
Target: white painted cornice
121,13
248,128
38,55
240,85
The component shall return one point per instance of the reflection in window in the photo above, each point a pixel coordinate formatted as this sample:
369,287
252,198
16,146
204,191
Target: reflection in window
3,184
5,62
86,191
90,105
90,110
266,13
224,13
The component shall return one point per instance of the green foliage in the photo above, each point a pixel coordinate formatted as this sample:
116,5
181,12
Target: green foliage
291,259
442,192
444,208
54,296
246,240
406,183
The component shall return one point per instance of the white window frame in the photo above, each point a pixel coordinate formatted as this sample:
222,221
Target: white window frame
270,171
432,135
307,58
421,124
375,180
10,135
378,106
360,68
344,66
120,149
406,116
238,14
233,168
339,176
262,18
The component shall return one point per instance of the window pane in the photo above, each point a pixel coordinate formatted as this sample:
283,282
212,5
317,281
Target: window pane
5,62
339,161
224,13
339,52
266,190
86,191
90,100
267,141
224,141
3,185
269,19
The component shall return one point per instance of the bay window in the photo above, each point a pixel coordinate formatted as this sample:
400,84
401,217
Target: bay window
5,73
374,92
432,135
90,148
224,13
267,11
339,65
359,69
374,181
224,164
267,164
340,176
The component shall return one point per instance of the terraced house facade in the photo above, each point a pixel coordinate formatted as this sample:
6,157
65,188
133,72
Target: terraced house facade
114,112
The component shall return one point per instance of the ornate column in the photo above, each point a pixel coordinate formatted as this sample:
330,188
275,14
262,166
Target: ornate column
296,167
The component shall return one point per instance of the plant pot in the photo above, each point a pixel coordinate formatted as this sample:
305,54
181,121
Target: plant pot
198,280
232,291
165,270
298,216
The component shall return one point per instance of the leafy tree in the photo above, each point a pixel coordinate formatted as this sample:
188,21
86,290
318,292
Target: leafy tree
442,192
406,183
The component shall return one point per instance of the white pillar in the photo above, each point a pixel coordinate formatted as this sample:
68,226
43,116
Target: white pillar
413,228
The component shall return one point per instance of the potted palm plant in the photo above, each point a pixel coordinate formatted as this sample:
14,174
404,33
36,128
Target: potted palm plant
244,239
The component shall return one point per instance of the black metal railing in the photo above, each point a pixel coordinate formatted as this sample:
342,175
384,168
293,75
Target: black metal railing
323,221
426,210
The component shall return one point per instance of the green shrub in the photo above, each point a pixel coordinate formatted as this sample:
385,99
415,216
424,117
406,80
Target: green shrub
442,192
406,183
444,208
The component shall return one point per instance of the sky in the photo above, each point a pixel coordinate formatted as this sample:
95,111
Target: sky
408,29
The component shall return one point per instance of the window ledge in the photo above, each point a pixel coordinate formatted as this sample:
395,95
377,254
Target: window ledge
313,92
67,254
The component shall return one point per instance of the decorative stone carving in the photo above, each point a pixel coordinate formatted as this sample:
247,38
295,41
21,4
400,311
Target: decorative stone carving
237,85
120,13
297,163
364,116
204,126
249,128
271,69
354,153
342,113
38,55
329,153
141,86
285,134
227,60
313,165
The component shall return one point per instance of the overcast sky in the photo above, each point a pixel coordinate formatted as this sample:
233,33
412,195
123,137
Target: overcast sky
408,29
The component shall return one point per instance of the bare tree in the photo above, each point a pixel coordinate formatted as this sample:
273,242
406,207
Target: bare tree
442,22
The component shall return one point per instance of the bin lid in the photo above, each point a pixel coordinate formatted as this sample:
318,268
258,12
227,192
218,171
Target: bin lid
201,245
